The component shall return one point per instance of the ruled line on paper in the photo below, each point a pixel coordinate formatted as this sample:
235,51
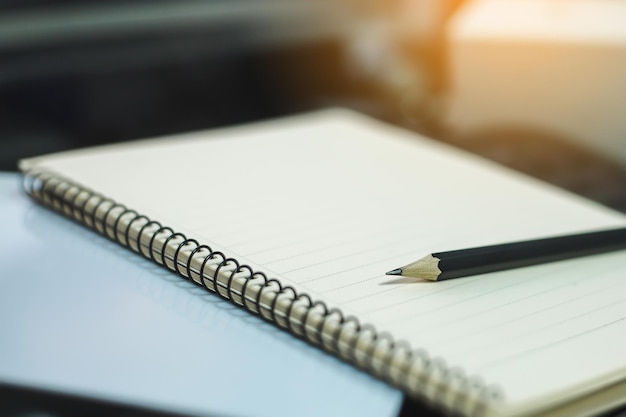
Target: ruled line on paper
475,333
490,311
513,344
410,300
353,283
252,235
339,243
286,244
488,293
523,315
554,343
376,249
340,272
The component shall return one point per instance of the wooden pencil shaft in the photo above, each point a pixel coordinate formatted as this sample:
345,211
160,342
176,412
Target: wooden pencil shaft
464,262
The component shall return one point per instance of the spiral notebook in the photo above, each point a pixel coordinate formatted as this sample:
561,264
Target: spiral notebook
297,220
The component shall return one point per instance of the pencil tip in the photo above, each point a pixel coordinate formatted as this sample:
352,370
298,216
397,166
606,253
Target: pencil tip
395,272
425,268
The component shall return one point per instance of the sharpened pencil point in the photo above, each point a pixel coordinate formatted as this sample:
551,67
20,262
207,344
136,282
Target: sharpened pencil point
425,268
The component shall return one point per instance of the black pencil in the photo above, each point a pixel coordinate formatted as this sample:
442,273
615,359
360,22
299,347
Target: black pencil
465,262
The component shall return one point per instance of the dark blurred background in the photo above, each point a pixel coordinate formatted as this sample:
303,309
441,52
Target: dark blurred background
538,86
79,73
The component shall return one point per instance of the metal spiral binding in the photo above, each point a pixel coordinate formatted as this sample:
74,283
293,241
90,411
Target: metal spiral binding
413,371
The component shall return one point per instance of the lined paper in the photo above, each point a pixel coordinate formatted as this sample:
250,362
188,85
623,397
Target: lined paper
329,202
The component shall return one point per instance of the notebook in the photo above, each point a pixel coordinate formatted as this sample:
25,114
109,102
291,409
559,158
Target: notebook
297,220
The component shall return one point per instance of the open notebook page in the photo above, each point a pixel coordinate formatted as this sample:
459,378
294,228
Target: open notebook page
328,202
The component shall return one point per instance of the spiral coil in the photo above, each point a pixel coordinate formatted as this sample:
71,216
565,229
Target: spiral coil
413,371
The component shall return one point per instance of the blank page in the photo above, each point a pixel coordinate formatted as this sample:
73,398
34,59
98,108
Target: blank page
328,202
